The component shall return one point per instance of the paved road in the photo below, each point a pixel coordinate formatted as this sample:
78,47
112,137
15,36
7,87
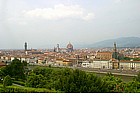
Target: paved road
17,85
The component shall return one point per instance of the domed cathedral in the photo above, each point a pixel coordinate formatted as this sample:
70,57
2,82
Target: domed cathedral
70,47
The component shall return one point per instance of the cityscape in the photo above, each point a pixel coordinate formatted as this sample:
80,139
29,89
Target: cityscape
54,70
99,58
69,69
70,46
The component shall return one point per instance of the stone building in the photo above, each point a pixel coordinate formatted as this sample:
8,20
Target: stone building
70,47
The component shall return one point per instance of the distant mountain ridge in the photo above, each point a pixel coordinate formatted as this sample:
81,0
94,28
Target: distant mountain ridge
121,42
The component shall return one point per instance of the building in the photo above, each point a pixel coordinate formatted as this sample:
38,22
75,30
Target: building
101,64
115,53
25,46
104,55
70,47
59,62
86,64
129,65
115,64
67,63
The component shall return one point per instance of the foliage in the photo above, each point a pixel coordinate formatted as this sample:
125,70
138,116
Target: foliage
136,59
16,69
113,84
128,58
7,81
132,87
43,77
77,81
36,81
14,89
2,73
49,79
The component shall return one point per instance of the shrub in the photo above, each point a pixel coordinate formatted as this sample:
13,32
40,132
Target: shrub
7,81
14,89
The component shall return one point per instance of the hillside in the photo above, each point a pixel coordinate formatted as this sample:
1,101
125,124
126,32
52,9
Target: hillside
121,42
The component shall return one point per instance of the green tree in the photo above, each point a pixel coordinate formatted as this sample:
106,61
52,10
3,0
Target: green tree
132,87
76,81
113,84
7,81
16,69
36,81
2,75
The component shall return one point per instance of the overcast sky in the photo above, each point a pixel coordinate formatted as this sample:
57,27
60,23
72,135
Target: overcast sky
44,22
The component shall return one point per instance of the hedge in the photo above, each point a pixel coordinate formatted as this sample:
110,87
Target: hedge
14,89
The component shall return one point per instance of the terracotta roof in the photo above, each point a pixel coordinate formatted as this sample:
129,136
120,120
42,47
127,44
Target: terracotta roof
104,52
59,59
2,64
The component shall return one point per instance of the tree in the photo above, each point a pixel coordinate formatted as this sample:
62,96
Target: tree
36,81
2,74
16,69
7,81
113,84
76,81
132,87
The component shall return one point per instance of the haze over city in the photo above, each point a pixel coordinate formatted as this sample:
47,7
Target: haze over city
44,23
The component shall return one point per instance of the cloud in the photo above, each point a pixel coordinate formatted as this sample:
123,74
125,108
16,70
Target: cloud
60,12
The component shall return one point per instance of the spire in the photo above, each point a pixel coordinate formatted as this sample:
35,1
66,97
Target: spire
115,48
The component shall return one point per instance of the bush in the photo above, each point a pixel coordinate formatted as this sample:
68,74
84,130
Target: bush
7,81
14,89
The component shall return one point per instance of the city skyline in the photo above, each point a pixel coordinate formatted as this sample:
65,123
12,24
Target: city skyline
58,21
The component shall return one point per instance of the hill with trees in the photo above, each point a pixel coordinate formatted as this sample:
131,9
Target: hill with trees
124,42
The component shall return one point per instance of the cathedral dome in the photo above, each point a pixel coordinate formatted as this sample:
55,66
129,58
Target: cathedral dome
70,46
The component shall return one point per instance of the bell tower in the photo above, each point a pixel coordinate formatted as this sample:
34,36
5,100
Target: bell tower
25,46
115,47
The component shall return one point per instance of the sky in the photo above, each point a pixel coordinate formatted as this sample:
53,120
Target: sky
45,23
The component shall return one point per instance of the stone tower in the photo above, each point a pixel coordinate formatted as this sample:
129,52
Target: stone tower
115,53
25,46
115,47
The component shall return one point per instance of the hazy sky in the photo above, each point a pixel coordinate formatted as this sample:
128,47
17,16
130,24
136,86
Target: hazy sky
44,22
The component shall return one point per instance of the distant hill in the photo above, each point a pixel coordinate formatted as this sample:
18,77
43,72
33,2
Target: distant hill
121,42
